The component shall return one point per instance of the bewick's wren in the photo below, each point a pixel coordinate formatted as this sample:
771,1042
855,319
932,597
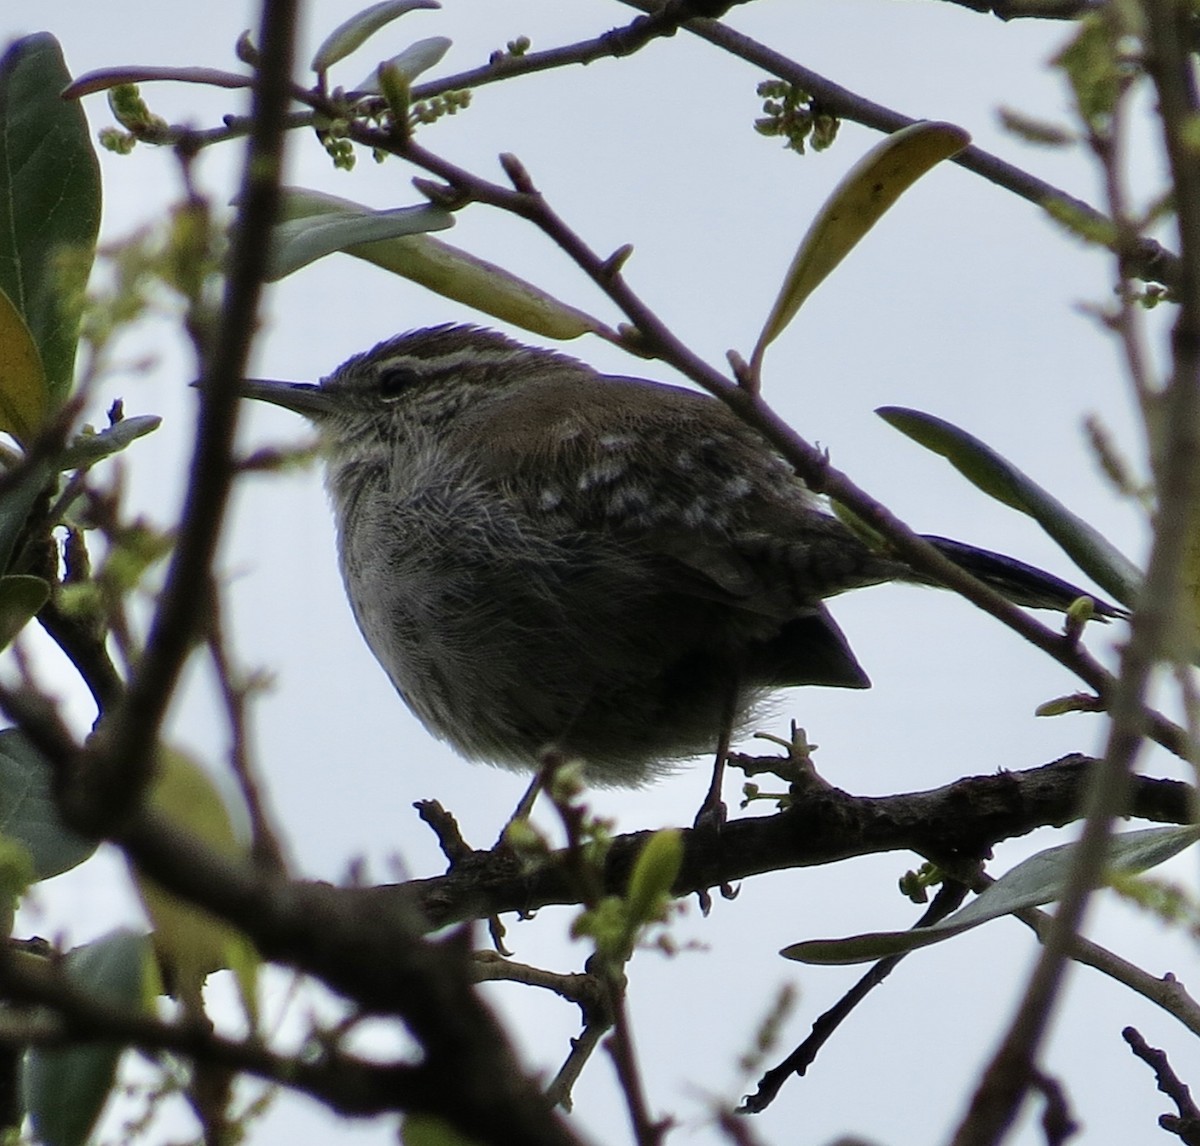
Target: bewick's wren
541,556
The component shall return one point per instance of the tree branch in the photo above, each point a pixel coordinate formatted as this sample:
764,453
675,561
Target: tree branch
1149,261
121,756
824,825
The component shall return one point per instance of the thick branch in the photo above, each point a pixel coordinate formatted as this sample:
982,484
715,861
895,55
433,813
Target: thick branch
965,818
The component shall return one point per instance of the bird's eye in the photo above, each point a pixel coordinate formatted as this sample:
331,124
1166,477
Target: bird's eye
395,381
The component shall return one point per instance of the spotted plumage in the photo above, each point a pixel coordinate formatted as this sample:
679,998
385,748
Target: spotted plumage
541,556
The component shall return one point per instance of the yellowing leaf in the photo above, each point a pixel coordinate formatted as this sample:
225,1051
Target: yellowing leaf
871,186
22,380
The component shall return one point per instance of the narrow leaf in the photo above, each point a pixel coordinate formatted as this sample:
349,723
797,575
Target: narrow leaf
871,186
454,273
1000,479
49,203
1035,881
65,1090
412,62
298,242
353,33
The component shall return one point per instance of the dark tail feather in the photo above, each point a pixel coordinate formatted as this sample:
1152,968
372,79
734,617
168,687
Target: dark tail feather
1020,583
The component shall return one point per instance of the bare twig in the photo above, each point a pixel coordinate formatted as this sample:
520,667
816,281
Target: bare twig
950,895
72,1016
1057,1121
1149,261
266,847
1168,993
1186,1125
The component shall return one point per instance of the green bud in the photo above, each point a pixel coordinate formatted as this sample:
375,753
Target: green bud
654,873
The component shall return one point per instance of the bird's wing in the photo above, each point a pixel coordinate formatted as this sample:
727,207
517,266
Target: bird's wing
676,475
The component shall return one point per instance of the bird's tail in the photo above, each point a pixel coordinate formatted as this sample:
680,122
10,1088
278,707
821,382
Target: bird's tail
1020,583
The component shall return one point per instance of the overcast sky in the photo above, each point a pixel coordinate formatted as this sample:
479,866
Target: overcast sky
965,302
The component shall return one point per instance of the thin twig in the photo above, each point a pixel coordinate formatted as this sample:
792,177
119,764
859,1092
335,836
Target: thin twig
1150,260
73,1016
266,846
950,895
1185,1125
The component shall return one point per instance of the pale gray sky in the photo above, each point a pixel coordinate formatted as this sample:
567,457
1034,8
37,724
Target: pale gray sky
964,302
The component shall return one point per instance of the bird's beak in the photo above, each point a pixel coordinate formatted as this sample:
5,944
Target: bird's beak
301,397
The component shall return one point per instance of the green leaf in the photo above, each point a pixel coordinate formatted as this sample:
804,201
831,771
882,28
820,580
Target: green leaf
22,379
453,273
353,33
28,812
49,203
1000,479
1031,883
21,596
297,242
871,186
65,1090
412,62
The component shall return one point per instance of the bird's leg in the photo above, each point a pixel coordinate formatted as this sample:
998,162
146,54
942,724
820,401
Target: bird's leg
712,811
524,806
711,816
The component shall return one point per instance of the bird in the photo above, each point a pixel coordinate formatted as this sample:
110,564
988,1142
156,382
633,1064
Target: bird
544,558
